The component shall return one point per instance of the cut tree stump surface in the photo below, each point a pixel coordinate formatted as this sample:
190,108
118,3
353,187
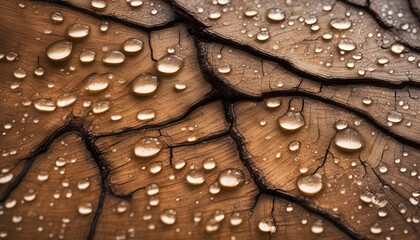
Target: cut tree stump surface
199,119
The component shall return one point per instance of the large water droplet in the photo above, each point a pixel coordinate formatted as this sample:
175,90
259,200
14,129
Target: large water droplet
145,84
169,63
310,184
78,30
59,50
348,139
147,147
291,121
275,14
231,177
340,24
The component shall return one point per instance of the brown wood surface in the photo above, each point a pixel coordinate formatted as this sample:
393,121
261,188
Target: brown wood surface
73,172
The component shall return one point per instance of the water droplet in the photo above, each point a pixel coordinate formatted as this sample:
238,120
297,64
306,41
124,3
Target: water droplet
367,100
291,121
83,184
327,36
394,117
348,139
147,147
152,189
179,163
169,63
180,86
57,17
145,115
212,225
44,105
209,164
39,71
263,35
59,50
340,125
275,14
267,225
397,48
104,26
29,195
250,12
311,20
310,184
6,177
214,188
122,207
272,102
66,99
382,60
43,176
195,177
168,216
98,4
218,215
20,73
85,208
375,229
340,24
383,169
317,227
96,82
235,219
113,57
100,107
225,68
155,167
132,45
230,177
294,146
136,3
346,45
223,2
87,56
78,30
145,84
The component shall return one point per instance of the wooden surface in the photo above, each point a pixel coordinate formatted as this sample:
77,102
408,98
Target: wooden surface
73,172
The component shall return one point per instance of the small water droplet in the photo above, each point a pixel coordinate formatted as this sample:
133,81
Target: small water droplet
98,4
375,229
100,107
340,125
39,71
236,219
87,56
317,227
267,225
225,68
394,117
146,115
367,100
195,177
152,189
57,17
348,139
66,99
397,48
382,60
209,164
294,146
113,57
43,176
